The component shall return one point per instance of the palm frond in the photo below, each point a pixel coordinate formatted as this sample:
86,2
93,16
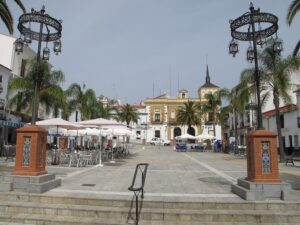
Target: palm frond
6,16
292,11
20,4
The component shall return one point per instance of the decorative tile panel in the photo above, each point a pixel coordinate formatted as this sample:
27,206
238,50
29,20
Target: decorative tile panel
265,157
26,151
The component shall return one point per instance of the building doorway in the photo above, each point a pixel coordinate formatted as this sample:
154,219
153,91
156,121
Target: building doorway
191,131
157,133
177,132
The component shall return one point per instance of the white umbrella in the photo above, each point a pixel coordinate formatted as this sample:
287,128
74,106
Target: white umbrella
59,123
92,132
76,133
99,122
205,136
120,132
186,136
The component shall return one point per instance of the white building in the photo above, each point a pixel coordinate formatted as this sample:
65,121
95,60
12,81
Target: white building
289,114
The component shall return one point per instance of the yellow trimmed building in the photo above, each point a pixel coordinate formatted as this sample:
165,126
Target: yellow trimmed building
162,111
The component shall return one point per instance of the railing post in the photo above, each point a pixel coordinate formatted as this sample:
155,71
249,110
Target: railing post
136,209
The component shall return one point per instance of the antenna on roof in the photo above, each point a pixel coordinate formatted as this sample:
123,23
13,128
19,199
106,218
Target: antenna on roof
153,90
178,83
170,76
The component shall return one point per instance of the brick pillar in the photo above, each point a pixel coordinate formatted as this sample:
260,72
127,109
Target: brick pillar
262,163
31,151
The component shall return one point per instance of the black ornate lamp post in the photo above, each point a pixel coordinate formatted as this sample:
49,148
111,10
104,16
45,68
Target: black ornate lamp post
52,34
256,35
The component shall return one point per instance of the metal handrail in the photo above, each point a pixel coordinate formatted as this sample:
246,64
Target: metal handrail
142,167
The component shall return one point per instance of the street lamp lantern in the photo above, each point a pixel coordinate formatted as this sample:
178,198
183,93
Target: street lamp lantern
250,54
278,46
19,45
46,53
233,48
57,47
49,30
248,27
27,38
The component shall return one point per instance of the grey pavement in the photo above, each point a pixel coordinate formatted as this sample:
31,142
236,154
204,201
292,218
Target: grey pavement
181,175
190,175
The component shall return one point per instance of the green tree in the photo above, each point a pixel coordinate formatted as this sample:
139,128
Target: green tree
237,97
127,114
213,106
275,81
82,100
6,15
292,11
50,95
189,114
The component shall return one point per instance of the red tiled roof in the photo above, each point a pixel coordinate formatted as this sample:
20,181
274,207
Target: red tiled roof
282,109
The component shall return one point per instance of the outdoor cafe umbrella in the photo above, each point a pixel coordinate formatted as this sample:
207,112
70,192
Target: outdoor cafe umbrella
205,137
58,122
99,122
186,136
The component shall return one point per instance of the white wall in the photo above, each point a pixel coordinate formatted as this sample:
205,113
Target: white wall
290,126
6,74
6,50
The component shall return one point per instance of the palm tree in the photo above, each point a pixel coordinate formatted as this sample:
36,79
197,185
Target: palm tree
106,111
82,100
127,114
275,80
238,97
49,92
6,15
189,114
292,11
212,106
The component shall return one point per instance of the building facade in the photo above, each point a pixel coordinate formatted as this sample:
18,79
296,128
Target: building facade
162,112
247,121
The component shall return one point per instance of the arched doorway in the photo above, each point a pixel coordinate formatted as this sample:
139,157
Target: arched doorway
191,131
177,132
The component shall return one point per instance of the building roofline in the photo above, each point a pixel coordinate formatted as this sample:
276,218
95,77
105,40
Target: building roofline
283,109
5,67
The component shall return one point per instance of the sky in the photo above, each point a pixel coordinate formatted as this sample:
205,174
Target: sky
137,49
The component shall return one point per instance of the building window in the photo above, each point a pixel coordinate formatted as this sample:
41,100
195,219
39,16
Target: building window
23,68
210,116
172,115
282,120
298,120
291,140
157,133
183,95
296,143
283,141
0,78
157,117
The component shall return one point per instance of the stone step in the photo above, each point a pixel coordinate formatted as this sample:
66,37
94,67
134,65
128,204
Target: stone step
8,223
28,219
150,214
37,219
148,202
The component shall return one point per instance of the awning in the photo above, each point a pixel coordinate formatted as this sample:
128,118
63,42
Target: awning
9,123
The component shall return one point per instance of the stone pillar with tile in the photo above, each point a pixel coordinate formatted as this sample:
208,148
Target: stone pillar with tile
262,181
31,151
30,173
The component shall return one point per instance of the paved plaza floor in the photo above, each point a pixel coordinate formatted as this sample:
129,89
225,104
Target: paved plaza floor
205,175
186,175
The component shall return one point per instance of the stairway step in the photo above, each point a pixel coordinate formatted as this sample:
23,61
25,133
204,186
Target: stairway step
37,198
208,223
58,220
155,214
